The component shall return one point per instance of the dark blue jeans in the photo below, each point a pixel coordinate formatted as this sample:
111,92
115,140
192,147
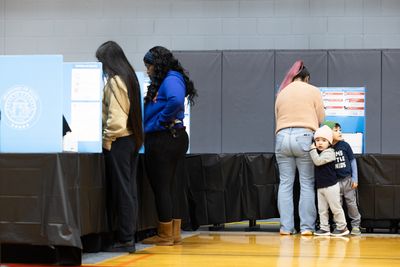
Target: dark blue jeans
163,152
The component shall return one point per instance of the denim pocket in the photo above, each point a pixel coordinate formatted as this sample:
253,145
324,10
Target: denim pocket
278,142
304,141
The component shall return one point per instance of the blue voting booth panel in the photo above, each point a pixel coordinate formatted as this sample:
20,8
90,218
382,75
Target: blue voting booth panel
31,95
346,105
144,81
83,84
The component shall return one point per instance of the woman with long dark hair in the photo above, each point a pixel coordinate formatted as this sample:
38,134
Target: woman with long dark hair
122,138
166,139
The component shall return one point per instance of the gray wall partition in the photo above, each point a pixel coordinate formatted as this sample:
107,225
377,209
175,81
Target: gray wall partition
361,68
316,62
390,102
235,109
205,70
247,101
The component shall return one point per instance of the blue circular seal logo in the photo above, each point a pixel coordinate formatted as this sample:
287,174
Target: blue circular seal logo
21,107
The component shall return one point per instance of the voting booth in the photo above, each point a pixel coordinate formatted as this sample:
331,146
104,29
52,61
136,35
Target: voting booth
31,104
82,105
38,92
346,106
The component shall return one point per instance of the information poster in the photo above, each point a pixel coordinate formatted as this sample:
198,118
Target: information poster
346,105
83,86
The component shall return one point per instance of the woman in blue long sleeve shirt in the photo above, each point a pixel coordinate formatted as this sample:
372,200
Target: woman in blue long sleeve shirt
166,140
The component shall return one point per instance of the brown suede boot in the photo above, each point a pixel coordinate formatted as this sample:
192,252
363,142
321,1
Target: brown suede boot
176,231
163,237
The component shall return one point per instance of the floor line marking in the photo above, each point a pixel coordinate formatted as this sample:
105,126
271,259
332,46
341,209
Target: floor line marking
135,260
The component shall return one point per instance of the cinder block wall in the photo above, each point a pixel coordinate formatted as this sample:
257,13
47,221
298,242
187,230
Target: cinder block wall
76,28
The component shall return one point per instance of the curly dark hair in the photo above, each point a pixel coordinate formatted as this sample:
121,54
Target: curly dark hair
114,61
163,61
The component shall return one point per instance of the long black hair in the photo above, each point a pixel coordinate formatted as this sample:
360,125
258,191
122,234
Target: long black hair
163,61
114,61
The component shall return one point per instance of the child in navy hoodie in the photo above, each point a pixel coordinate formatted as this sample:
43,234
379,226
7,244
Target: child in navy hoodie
346,171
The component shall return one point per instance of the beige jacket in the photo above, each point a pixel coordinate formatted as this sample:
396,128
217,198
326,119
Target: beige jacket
115,111
299,105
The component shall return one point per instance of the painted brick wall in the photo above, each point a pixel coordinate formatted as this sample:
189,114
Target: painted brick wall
76,28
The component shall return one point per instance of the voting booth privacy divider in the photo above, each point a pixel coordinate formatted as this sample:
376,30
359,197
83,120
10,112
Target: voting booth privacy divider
36,91
346,106
82,106
31,103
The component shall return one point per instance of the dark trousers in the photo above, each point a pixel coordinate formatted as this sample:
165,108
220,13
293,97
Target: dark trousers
162,154
122,202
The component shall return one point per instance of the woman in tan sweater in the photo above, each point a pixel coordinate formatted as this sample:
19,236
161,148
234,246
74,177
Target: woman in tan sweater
299,111
122,138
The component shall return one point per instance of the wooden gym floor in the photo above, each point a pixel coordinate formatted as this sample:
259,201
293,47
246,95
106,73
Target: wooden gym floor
206,249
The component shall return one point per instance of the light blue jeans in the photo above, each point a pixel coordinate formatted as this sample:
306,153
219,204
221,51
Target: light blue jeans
292,147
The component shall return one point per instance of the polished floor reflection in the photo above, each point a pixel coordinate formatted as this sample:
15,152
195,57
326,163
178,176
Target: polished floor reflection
268,249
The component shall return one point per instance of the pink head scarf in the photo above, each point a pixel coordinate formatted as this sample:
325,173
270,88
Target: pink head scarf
293,71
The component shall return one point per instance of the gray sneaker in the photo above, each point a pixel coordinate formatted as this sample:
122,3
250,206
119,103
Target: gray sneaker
355,231
338,232
321,232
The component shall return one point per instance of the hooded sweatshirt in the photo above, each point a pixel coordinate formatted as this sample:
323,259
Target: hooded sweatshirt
169,104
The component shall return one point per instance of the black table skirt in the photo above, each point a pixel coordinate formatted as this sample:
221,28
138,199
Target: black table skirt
55,199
